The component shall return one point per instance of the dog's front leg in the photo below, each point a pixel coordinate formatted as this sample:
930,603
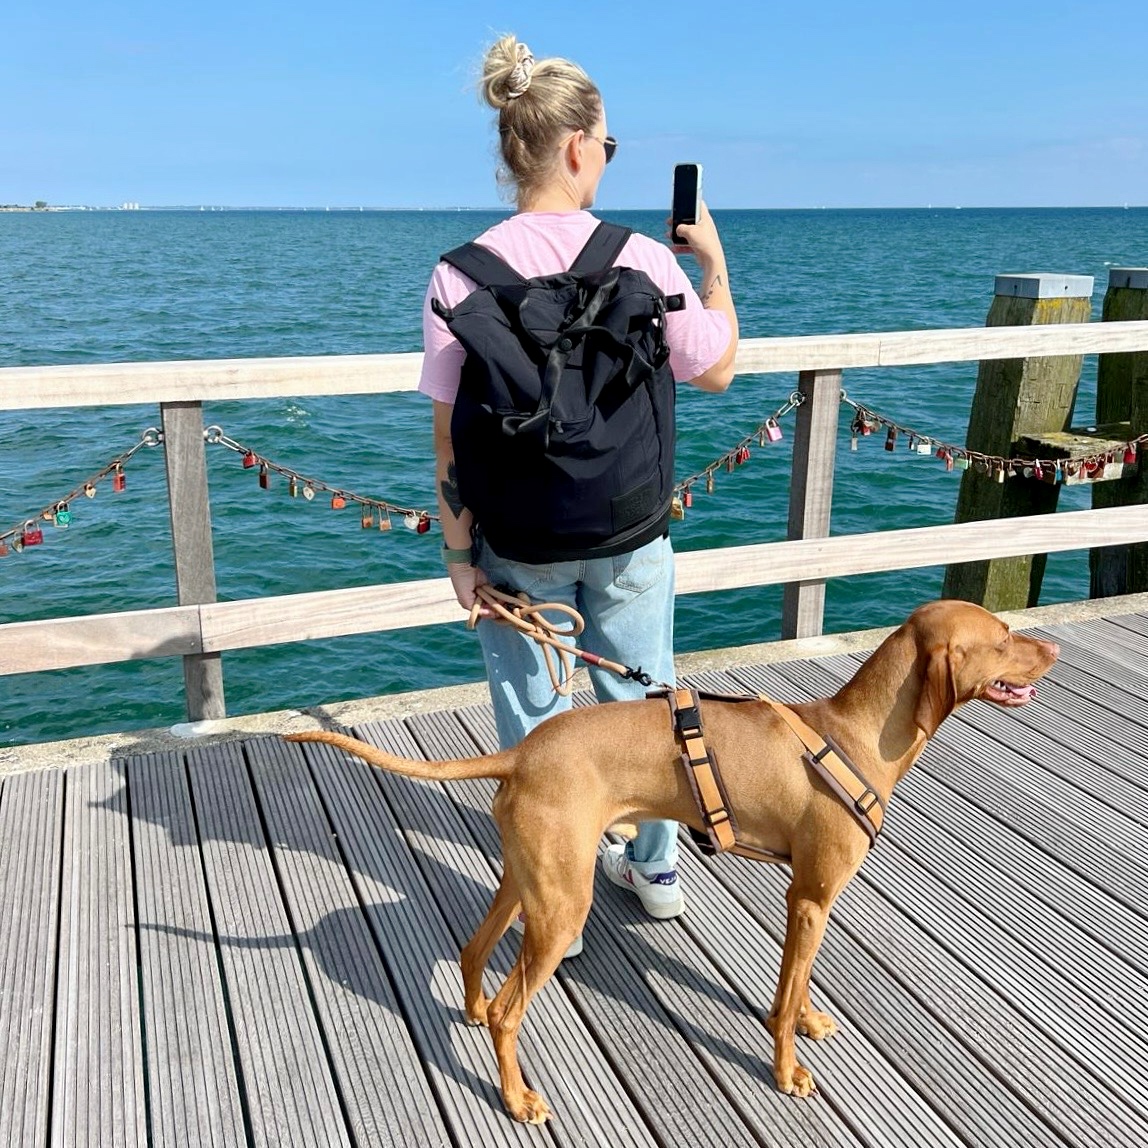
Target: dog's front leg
805,926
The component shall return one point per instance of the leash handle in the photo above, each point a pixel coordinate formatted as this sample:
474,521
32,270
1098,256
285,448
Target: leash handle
529,618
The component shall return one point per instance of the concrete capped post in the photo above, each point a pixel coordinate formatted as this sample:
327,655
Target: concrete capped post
1122,396
1016,397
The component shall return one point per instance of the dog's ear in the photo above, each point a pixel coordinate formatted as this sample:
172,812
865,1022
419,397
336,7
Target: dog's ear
938,696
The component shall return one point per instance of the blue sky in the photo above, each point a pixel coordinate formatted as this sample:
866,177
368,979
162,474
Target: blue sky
354,102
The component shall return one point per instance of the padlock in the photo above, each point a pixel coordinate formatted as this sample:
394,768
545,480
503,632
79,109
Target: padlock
729,463
1037,470
687,497
772,430
677,509
963,462
761,439
743,456
368,519
424,524
32,535
709,482
912,444
411,521
62,516
1129,454
293,487
924,447
119,480
264,477
89,490
249,460
1058,474
308,492
891,439
338,502
384,521
1000,474
866,426
48,513
949,460
3,548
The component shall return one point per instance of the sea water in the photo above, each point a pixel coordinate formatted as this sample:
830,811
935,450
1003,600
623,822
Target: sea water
105,287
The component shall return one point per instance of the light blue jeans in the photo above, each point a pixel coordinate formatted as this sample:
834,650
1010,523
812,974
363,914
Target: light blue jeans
628,606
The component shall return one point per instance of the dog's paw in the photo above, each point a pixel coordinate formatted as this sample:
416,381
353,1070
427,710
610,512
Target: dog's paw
531,1109
816,1025
800,1083
476,1013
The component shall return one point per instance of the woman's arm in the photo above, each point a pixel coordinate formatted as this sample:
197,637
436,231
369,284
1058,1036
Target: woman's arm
705,245
457,522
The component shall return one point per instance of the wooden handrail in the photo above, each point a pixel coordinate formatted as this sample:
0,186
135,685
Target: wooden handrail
215,627
205,380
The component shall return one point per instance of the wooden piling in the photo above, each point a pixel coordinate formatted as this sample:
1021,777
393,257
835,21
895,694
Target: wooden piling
1122,395
1016,397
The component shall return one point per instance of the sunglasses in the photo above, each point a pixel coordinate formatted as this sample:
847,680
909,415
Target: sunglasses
609,145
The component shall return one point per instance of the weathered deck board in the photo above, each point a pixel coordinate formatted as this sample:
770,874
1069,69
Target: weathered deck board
255,943
195,1088
31,821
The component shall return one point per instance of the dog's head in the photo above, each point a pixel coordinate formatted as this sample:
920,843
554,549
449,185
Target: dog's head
964,652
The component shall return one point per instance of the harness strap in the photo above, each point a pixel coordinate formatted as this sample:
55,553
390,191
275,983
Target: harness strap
828,761
706,782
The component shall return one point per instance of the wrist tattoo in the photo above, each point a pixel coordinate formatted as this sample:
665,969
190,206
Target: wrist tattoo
449,488
710,289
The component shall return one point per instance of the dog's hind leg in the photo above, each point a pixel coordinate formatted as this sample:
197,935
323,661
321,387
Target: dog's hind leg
477,952
551,925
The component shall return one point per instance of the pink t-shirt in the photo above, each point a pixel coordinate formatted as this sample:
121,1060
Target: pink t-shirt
547,243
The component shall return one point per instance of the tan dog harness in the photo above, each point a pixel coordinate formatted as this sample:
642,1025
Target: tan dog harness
822,755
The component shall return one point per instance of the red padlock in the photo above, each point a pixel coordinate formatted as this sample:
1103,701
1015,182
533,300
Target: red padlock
338,502
3,548
1129,454
249,460
424,524
687,497
32,534
264,477
119,480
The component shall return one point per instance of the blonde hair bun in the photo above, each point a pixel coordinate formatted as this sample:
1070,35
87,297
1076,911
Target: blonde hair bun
506,72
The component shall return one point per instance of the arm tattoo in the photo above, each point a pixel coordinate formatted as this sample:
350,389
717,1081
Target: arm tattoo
449,488
710,289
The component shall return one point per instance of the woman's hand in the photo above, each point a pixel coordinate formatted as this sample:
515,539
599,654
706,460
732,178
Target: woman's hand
701,238
466,580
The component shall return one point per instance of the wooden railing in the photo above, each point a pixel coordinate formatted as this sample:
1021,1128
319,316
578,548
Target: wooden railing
199,629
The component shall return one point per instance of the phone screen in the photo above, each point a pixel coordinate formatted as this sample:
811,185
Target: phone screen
687,192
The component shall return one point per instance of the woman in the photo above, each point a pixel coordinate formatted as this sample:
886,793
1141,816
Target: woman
555,147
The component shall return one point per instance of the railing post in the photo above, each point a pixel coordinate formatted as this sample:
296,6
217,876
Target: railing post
1122,396
1015,398
811,494
186,460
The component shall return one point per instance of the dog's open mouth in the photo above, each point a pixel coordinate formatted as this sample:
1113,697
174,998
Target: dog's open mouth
1006,694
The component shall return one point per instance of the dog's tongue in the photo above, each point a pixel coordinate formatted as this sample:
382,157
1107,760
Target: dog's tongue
1025,693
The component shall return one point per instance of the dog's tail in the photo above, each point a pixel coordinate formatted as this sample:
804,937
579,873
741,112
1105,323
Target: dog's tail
497,765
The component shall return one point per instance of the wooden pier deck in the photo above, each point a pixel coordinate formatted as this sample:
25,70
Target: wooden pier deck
255,943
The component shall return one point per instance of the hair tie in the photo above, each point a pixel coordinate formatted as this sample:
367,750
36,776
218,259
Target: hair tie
520,76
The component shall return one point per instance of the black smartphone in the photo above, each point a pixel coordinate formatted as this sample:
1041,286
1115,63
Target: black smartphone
687,197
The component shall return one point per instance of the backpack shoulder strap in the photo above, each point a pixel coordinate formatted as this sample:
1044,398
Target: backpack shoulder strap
602,248
483,266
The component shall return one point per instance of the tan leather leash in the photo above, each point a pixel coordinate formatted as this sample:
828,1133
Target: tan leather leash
530,618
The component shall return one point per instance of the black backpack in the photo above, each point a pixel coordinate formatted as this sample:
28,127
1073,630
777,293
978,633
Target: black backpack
563,428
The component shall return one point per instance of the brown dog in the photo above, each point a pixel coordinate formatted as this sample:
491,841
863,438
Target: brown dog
586,770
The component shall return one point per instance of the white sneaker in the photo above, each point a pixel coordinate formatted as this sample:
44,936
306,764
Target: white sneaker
519,925
661,895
